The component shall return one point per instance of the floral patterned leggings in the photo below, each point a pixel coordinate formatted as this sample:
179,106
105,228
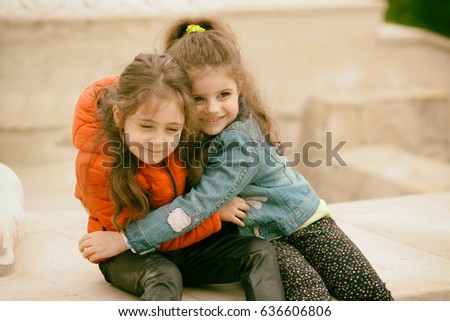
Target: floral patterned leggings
320,262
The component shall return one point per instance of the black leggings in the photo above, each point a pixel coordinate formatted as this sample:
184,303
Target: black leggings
224,257
320,262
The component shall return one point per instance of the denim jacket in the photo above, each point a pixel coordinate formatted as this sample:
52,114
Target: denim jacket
240,163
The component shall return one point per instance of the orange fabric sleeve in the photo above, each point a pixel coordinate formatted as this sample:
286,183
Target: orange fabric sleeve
93,191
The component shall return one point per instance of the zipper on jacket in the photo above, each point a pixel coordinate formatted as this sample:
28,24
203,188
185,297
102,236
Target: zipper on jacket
172,179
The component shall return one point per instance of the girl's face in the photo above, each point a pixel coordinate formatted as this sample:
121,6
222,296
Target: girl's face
216,95
152,134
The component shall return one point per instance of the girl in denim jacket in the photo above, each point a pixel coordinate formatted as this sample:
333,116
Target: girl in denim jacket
235,154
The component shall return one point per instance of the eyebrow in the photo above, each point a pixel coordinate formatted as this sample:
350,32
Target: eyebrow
220,91
148,120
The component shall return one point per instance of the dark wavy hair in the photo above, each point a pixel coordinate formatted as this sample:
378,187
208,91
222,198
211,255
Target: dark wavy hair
216,47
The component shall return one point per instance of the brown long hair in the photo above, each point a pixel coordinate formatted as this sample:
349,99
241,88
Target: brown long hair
216,47
149,75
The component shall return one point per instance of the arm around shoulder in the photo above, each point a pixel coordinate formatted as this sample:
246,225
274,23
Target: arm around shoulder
233,163
208,227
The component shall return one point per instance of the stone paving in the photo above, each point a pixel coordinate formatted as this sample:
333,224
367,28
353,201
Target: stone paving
409,250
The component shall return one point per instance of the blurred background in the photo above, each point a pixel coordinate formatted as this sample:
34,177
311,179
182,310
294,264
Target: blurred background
373,73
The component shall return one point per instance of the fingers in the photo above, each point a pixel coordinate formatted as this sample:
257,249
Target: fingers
237,221
91,253
86,248
238,218
87,251
241,204
241,211
240,215
82,244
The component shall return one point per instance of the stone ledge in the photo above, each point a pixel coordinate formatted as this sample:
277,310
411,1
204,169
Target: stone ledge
378,171
409,249
396,34
410,172
35,10
407,239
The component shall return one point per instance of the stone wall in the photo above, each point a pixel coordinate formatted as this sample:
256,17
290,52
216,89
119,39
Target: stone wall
51,49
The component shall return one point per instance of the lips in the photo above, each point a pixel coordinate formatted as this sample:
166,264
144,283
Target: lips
213,120
155,151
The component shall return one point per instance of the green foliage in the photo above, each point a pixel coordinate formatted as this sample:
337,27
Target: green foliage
432,15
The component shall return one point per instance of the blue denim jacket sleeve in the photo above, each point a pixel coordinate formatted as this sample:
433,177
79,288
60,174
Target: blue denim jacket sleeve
233,163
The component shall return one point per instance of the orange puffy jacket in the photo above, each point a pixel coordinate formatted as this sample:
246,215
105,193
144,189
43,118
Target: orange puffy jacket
164,181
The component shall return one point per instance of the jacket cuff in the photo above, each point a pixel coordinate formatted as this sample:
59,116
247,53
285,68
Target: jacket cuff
135,235
128,243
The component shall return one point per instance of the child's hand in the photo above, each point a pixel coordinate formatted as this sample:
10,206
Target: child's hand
235,211
102,245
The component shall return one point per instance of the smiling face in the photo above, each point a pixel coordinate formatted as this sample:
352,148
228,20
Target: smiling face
216,96
153,133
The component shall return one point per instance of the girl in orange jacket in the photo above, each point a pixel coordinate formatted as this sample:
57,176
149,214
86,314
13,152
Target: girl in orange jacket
127,130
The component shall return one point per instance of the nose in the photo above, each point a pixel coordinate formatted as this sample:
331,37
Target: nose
158,138
212,107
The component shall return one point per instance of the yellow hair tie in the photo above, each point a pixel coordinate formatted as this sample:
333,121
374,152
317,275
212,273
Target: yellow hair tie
194,28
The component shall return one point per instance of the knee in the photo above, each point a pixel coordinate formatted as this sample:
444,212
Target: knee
164,285
379,292
165,273
173,273
263,248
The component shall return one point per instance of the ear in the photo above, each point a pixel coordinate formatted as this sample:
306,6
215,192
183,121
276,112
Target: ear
116,115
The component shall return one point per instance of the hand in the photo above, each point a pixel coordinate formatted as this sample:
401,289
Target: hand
102,245
235,211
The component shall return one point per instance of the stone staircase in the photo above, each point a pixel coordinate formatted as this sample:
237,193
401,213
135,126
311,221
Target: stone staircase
392,144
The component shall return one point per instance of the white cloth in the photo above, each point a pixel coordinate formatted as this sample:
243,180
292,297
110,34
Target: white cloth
11,213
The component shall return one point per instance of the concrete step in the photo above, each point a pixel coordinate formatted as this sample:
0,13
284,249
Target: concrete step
406,239
376,171
415,119
48,265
